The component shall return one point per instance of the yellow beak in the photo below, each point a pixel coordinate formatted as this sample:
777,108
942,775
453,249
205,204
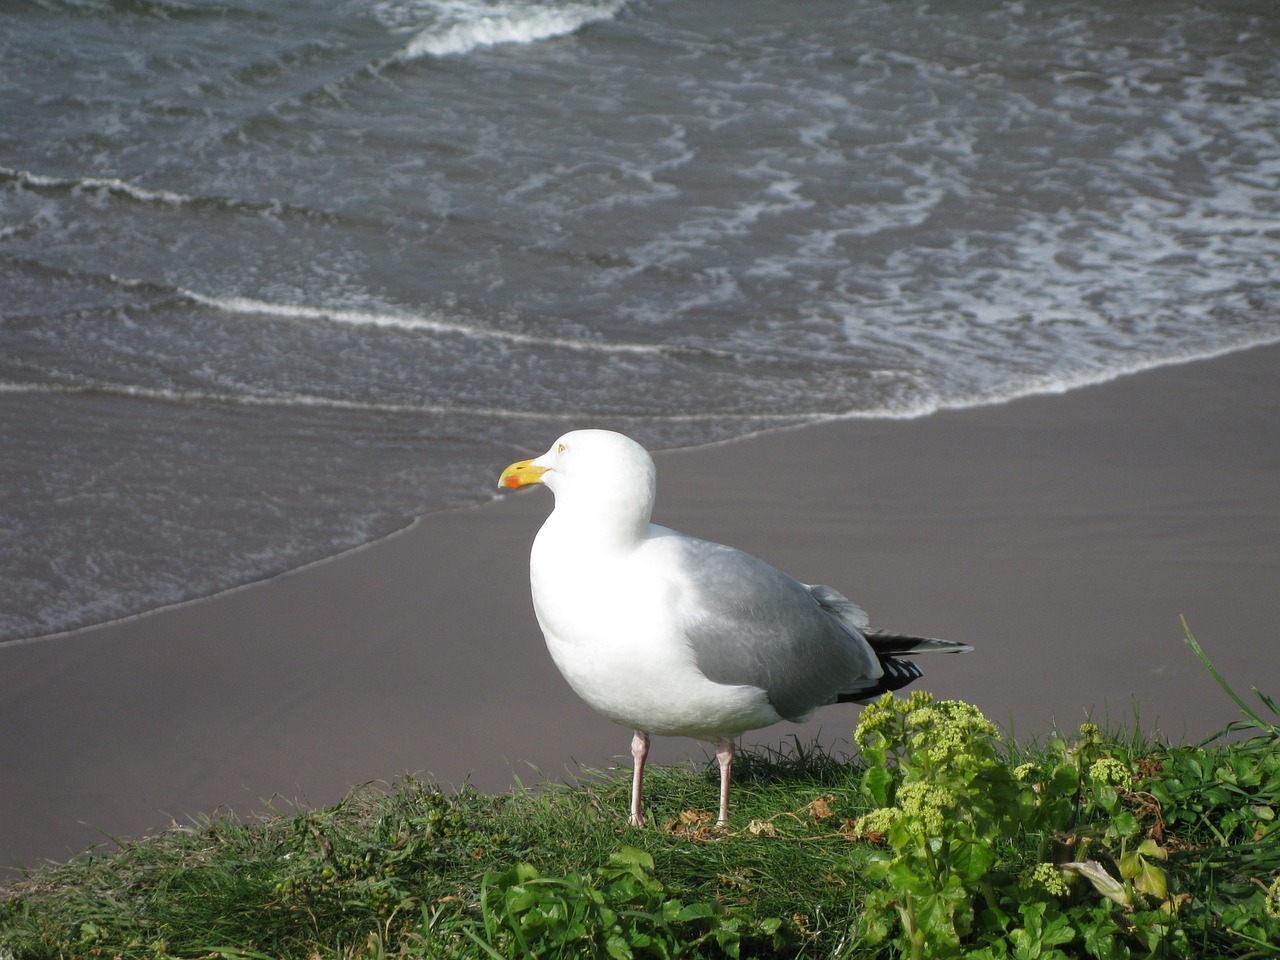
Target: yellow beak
521,473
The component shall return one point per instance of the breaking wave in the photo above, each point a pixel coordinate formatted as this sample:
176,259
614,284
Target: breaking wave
463,27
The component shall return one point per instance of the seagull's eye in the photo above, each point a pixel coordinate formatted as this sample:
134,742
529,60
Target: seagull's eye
560,448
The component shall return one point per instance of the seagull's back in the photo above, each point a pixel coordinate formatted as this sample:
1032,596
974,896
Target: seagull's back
756,625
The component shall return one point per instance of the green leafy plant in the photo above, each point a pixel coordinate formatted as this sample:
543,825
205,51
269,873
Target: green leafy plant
954,814
620,911
941,793
1074,851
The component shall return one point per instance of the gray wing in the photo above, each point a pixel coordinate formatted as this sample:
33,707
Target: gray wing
802,645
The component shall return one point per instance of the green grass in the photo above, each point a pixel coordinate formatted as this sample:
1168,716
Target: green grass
1044,852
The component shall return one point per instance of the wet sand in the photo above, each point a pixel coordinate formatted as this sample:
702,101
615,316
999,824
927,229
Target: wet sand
1061,535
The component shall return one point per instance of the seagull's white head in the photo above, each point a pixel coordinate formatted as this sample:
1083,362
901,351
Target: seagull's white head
597,476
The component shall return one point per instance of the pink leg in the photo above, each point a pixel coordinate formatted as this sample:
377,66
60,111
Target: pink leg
724,753
639,750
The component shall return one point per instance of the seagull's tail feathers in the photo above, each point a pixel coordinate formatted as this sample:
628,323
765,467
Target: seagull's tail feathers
898,673
899,644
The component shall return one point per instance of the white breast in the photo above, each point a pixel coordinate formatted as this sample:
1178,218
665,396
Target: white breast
608,615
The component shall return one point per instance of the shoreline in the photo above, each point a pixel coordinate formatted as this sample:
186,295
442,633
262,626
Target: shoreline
1061,534
1040,390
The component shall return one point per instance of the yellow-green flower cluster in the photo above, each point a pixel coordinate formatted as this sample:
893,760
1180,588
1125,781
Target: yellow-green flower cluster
949,729
924,802
1273,900
944,725
918,699
886,713
927,803
875,718
1049,877
1025,771
1113,771
879,820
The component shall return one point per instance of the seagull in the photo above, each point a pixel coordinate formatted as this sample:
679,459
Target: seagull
671,635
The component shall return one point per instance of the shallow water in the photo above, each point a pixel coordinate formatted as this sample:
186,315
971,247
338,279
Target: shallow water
280,276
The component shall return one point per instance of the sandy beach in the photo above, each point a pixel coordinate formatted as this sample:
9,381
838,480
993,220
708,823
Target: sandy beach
1061,535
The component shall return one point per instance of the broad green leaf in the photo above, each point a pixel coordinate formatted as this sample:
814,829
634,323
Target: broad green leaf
1152,881
695,911
971,861
877,781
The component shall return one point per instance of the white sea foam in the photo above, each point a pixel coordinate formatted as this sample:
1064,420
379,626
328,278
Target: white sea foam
316,402
114,187
95,184
417,322
1017,388
461,27
295,400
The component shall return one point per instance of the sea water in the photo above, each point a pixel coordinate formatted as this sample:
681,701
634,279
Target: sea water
276,277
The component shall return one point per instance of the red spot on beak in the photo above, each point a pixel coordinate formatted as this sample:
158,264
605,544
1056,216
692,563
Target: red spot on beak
514,482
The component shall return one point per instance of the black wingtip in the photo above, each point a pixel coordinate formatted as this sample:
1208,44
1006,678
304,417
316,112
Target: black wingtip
897,674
